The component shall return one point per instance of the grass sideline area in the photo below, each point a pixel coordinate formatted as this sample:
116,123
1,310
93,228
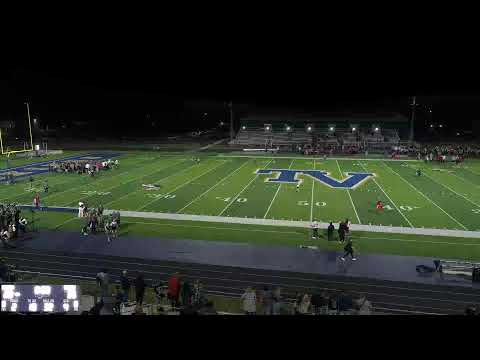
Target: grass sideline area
365,242
445,196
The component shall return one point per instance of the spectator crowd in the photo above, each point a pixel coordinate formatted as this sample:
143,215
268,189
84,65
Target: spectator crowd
81,166
181,296
12,223
272,302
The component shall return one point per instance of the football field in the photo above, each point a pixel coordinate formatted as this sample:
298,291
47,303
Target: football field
445,196
250,189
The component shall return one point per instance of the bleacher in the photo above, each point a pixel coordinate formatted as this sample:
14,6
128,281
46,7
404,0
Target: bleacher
253,133
259,137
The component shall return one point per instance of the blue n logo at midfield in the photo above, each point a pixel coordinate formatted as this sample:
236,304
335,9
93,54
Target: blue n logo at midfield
290,176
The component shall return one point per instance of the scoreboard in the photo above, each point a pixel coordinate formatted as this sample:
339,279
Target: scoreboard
40,298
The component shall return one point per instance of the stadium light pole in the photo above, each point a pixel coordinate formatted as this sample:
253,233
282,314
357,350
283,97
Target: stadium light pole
29,125
231,120
412,119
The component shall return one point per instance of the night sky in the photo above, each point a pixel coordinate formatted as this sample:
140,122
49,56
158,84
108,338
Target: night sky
152,95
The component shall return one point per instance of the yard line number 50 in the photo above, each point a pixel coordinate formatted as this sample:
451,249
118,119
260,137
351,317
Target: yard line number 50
306,203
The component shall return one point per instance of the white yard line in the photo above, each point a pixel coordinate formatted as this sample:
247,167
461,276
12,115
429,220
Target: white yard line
125,182
311,202
180,186
388,197
449,188
276,193
426,197
246,186
349,195
464,179
213,187
162,179
472,171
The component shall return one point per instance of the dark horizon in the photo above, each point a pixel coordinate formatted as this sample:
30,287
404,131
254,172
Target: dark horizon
110,101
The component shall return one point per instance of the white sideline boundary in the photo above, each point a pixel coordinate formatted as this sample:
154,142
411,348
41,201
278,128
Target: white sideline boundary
299,224
285,223
212,144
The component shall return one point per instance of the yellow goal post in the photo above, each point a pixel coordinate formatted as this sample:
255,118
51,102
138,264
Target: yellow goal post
7,151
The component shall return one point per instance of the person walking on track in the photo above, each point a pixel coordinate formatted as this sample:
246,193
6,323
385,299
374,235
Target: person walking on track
348,251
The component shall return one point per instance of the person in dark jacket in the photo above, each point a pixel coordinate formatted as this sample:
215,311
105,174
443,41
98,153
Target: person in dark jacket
139,289
125,283
330,230
3,270
267,301
118,299
341,232
186,293
348,251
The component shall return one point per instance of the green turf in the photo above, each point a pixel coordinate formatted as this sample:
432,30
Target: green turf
445,196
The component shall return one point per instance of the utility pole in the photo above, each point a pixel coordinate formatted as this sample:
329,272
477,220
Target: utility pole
412,119
231,120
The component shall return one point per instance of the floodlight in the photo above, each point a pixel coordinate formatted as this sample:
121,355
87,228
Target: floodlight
244,127
440,125
376,129
353,129
288,128
331,128
431,125
309,128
